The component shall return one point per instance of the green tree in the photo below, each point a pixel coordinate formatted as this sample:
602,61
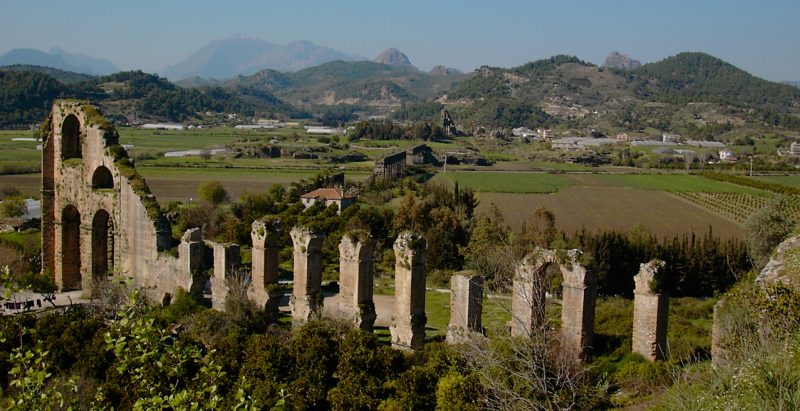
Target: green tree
13,206
213,192
767,228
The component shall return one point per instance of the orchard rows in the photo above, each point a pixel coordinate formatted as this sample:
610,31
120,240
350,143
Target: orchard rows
737,206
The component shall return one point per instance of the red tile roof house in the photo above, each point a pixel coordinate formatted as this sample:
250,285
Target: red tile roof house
329,196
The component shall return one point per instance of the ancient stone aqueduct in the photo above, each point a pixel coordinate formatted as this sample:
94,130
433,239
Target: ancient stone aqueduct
98,216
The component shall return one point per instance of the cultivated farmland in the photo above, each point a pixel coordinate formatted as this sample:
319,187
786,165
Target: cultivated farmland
612,208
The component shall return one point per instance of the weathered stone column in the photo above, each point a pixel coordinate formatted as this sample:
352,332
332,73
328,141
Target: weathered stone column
306,299
577,309
466,307
190,260
263,288
355,279
226,259
718,350
650,314
87,281
408,318
528,298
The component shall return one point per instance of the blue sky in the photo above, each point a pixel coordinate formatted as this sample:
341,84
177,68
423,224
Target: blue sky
761,37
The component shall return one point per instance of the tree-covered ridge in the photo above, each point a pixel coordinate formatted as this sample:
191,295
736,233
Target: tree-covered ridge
26,97
577,89
66,77
699,76
357,83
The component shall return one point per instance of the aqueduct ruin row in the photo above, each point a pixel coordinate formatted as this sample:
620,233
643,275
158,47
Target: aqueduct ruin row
99,218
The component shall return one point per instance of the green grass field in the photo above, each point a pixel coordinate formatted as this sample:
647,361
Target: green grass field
673,182
500,182
791,181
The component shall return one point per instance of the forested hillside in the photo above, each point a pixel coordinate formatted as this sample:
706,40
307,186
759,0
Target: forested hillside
26,97
693,93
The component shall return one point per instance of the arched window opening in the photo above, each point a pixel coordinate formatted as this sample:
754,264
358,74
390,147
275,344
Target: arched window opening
70,248
102,178
71,138
102,245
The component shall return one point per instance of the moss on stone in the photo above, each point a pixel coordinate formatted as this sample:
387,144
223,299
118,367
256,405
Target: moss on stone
72,162
46,128
93,117
128,170
358,236
791,266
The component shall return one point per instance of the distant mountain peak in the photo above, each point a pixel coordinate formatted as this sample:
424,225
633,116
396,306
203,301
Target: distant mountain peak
393,57
244,55
621,61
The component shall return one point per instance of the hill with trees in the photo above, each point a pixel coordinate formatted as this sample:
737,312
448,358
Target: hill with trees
360,83
27,93
687,88
694,94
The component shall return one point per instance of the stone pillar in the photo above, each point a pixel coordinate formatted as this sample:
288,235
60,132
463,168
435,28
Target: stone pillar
466,307
650,314
355,279
87,281
306,299
408,318
528,298
577,309
190,255
226,259
264,290
717,344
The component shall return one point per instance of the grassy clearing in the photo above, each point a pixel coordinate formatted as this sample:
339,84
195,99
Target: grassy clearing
181,183
499,182
673,182
611,208
496,313
791,181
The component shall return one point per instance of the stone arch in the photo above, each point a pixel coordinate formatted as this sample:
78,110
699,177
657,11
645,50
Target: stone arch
71,138
102,178
70,247
102,244
578,298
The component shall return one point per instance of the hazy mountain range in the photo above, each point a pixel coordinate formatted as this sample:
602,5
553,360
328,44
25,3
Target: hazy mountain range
222,59
58,59
695,91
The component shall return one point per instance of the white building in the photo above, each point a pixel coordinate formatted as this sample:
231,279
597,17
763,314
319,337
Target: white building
162,126
545,133
324,130
329,196
794,149
670,137
726,155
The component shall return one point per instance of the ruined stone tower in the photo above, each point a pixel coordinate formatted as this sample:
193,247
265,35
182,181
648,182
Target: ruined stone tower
98,214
